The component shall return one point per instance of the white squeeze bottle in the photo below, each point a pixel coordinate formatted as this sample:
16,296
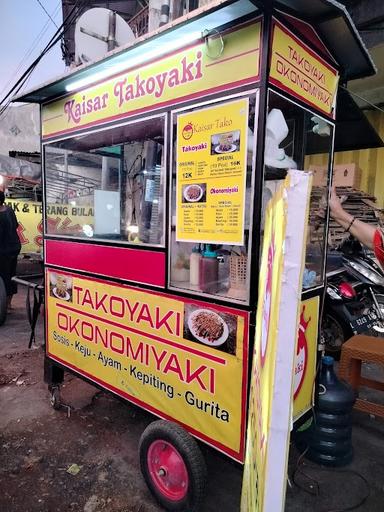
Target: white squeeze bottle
194,265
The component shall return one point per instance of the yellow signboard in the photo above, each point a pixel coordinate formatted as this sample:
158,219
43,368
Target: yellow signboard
61,219
211,173
297,69
305,361
263,368
187,73
155,350
271,388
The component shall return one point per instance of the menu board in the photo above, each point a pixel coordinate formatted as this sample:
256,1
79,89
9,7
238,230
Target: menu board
211,174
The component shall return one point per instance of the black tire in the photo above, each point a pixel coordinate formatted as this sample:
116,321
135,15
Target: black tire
378,330
335,332
191,456
3,302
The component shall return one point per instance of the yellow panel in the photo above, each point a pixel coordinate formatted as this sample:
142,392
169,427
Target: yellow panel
188,73
297,69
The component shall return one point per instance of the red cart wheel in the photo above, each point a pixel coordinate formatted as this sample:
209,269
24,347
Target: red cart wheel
172,466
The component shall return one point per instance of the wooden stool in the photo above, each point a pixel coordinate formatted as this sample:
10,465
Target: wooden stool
356,350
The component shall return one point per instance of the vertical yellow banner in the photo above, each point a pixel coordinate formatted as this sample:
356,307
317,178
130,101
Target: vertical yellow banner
278,310
211,173
263,368
305,361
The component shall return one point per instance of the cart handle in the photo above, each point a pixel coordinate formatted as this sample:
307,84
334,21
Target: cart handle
27,283
33,310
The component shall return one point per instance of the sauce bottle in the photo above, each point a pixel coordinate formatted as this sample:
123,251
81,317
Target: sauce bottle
194,266
209,271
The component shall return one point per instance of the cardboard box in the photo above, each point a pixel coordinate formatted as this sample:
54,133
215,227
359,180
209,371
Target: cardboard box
320,175
347,175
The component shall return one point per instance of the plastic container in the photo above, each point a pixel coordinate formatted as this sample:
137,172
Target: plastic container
209,271
238,276
329,436
194,266
334,395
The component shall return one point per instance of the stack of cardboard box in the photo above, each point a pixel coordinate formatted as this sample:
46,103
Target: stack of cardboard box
359,204
344,175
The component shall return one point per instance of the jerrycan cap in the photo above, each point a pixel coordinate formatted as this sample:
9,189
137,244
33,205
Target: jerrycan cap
327,360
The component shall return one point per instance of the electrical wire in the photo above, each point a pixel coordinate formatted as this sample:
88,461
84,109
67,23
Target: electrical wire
316,484
362,99
70,19
63,27
31,49
46,12
314,489
28,78
23,79
36,60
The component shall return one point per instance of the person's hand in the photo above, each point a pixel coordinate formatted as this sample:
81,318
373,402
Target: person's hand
335,203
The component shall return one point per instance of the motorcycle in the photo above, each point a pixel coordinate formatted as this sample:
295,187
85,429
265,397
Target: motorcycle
354,298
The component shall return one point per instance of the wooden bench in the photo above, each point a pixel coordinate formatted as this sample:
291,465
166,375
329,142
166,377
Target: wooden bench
356,350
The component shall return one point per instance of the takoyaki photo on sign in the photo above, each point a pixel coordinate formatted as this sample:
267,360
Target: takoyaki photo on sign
60,286
227,142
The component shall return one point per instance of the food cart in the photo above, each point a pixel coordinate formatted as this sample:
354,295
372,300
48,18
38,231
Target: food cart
167,152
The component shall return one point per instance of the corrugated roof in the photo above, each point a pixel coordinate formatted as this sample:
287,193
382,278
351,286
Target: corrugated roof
335,25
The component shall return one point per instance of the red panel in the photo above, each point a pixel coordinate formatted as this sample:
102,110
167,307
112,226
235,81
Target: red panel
309,32
147,267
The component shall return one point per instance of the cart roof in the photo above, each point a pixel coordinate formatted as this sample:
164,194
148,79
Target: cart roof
330,19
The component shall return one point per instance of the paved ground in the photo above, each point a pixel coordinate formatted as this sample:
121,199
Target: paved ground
38,445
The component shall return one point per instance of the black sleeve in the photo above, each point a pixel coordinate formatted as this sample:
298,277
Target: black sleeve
13,218
2,241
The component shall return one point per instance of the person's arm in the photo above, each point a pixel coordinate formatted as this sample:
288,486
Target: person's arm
13,217
378,246
363,232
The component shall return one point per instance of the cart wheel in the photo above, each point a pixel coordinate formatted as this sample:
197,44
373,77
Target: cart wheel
3,302
55,398
173,466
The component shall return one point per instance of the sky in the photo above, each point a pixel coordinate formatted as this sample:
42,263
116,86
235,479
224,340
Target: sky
25,29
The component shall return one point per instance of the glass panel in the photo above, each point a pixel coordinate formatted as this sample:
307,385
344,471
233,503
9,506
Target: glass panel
296,139
218,269
108,185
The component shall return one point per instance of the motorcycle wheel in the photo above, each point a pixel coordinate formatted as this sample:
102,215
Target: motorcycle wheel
335,332
379,327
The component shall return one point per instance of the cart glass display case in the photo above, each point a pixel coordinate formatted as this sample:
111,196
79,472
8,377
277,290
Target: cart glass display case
113,181
292,134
